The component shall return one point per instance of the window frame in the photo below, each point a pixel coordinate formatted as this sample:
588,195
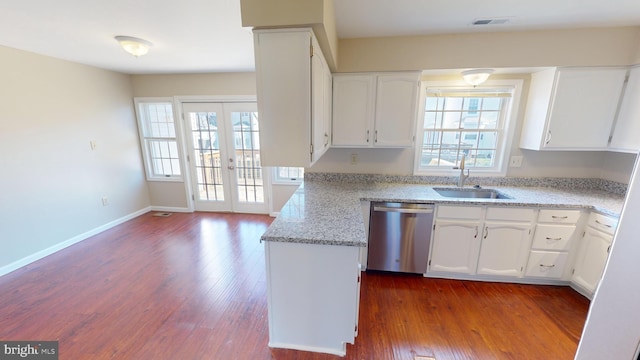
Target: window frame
276,179
144,143
505,137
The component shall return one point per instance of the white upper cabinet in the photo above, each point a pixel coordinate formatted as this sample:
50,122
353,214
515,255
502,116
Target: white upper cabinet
292,81
320,104
626,134
353,109
375,110
572,108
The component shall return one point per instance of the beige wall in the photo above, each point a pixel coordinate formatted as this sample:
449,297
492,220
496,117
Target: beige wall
52,182
581,47
617,167
219,84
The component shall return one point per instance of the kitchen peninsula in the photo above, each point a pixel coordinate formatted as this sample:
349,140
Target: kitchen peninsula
314,247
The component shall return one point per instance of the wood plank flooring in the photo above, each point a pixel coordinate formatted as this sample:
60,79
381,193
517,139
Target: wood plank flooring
192,286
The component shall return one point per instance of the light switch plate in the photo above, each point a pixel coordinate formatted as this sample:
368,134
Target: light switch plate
515,161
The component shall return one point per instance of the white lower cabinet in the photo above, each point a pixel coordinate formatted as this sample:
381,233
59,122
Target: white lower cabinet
552,244
546,246
313,294
593,253
591,259
504,248
455,246
474,240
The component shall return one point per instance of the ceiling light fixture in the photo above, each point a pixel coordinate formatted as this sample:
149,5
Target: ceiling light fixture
476,77
134,46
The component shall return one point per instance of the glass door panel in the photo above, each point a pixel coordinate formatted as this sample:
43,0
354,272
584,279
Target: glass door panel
225,157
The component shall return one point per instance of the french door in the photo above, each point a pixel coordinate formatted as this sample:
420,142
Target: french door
224,157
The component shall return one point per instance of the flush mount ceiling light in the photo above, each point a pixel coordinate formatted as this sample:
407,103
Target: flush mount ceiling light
476,77
134,46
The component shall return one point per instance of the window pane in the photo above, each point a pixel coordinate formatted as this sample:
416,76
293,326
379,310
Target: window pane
158,120
471,104
431,103
488,140
492,103
157,127
465,123
164,158
489,120
288,174
432,138
469,120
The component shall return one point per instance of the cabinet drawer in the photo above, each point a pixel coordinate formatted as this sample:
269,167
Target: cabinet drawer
553,237
510,214
460,212
603,223
559,216
547,264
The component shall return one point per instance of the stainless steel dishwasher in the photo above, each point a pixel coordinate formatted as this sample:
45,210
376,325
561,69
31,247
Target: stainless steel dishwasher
399,237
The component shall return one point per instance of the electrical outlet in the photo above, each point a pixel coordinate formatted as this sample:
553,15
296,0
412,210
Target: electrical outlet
354,159
105,201
93,144
515,161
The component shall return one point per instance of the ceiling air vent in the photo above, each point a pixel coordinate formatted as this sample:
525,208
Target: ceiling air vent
499,21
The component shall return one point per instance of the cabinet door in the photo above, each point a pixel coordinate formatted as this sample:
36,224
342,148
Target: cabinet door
328,98
396,110
625,134
591,259
583,108
504,249
353,107
320,103
283,79
455,247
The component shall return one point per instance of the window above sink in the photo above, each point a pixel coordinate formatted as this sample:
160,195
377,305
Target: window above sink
460,120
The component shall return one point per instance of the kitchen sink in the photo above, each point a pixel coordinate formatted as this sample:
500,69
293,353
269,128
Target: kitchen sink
471,193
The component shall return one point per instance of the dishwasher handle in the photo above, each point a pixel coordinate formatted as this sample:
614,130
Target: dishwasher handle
428,210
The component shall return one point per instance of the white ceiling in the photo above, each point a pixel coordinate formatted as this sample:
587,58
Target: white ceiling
192,36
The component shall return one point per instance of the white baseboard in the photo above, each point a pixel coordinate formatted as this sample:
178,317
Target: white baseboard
76,239
584,292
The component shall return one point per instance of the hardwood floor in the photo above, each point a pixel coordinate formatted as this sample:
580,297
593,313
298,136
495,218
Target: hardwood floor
192,286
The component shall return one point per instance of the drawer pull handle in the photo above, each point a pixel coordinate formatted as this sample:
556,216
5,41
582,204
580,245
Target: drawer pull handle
607,225
554,239
559,217
476,235
547,266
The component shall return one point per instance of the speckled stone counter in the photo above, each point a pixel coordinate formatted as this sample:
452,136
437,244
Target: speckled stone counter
328,212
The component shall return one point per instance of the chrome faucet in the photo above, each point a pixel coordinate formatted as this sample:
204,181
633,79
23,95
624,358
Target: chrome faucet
462,177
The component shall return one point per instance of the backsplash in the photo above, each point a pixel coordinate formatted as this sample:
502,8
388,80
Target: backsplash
563,183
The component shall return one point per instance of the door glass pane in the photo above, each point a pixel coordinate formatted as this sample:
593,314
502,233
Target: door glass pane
206,155
247,157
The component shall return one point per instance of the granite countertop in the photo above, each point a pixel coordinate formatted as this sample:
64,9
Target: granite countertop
329,213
